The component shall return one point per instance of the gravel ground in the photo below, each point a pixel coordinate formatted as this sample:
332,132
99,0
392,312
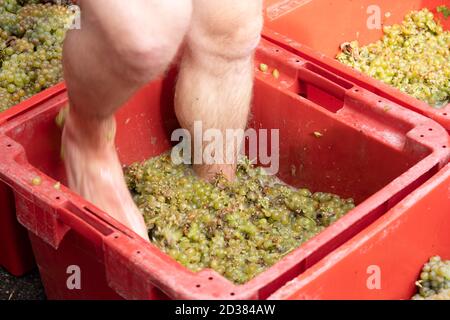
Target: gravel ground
28,287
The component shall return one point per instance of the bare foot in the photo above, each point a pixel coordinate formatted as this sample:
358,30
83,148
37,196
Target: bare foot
210,172
94,170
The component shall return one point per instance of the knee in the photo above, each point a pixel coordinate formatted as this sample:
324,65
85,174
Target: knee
148,46
230,31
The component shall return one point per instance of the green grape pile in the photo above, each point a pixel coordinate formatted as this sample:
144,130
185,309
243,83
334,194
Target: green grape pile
31,36
413,57
237,228
434,283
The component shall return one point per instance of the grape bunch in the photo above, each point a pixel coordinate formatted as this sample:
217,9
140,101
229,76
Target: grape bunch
434,283
237,228
31,35
413,57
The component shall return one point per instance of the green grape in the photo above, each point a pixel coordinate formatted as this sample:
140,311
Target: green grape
413,57
31,51
434,282
238,229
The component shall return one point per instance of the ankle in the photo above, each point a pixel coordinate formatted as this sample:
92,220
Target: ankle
210,172
90,132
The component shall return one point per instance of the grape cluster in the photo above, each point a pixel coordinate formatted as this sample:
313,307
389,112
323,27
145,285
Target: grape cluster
31,36
413,57
434,283
237,228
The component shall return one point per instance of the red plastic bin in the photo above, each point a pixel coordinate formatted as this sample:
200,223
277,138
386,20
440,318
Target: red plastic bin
16,255
315,29
397,246
377,157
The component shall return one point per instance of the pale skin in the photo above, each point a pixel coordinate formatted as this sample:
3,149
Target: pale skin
123,45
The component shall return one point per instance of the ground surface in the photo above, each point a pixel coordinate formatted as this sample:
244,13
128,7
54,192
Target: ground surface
28,287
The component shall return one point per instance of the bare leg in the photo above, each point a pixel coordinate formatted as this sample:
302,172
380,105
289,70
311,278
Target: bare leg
216,77
121,46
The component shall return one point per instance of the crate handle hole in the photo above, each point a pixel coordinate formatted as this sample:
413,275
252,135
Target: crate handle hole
322,87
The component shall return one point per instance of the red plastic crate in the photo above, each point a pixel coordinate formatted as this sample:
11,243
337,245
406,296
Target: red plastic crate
398,245
315,29
366,152
16,255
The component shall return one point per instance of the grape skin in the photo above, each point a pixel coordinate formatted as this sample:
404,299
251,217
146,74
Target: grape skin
413,57
32,35
434,283
238,229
